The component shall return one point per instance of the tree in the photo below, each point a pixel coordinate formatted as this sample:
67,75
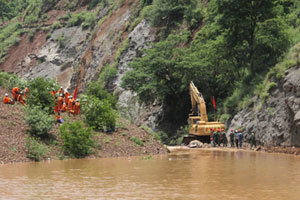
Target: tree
157,75
242,21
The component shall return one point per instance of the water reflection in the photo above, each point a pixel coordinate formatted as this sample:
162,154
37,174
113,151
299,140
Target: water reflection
192,175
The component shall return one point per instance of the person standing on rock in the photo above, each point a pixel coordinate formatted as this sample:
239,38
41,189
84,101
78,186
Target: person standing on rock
231,135
240,138
252,140
236,138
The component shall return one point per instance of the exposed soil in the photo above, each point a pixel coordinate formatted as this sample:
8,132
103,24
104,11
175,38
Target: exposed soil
13,134
18,52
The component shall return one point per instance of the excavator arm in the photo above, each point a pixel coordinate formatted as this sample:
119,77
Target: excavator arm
198,103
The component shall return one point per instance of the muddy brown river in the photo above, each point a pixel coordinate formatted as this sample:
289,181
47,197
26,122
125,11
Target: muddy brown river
194,175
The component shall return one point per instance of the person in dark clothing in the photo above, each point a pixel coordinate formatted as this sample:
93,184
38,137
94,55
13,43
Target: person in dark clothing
236,138
231,135
224,138
252,140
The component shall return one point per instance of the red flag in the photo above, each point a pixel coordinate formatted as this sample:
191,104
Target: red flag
75,92
214,103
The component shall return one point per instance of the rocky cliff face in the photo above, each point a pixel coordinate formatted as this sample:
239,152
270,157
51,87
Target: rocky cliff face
129,105
277,121
75,56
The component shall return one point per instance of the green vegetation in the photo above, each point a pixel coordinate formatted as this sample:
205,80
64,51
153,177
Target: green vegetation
85,18
40,93
36,150
77,140
9,81
99,114
137,141
38,120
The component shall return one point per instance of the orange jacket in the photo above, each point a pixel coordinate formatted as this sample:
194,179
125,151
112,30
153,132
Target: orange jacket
53,92
67,94
70,105
7,100
14,92
77,108
61,91
20,98
56,109
60,101
64,108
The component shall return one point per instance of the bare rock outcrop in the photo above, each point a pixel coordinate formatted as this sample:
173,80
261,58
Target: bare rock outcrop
277,121
139,39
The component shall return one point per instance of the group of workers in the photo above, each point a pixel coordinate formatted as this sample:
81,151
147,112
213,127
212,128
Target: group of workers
17,95
64,101
218,138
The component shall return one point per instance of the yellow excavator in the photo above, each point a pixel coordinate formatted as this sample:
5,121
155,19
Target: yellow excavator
200,128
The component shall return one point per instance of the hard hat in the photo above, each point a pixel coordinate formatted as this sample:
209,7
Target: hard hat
69,97
6,94
52,89
231,130
77,99
61,87
64,103
60,95
236,130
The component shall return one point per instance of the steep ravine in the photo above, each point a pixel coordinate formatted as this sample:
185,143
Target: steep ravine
277,121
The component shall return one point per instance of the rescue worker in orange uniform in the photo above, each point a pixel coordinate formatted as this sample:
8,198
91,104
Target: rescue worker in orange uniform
71,104
60,101
77,107
59,119
64,107
26,93
15,91
53,92
20,99
7,100
61,91
67,94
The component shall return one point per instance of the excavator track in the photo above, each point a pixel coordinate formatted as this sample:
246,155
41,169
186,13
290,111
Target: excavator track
188,138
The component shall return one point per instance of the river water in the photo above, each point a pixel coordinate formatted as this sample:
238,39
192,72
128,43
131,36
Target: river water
194,175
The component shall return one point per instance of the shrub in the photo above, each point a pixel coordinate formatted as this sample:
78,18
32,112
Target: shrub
108,74
35,150
99,114
39,121
93,4
56,25
40,89
11,80
96,89
137,141
61,41
87,19
77,140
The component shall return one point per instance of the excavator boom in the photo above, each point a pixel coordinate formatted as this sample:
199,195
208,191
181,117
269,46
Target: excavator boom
200,128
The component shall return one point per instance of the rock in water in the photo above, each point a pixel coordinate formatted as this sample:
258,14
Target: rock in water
195,144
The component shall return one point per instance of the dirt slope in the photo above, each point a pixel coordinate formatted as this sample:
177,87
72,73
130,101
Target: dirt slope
13,138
